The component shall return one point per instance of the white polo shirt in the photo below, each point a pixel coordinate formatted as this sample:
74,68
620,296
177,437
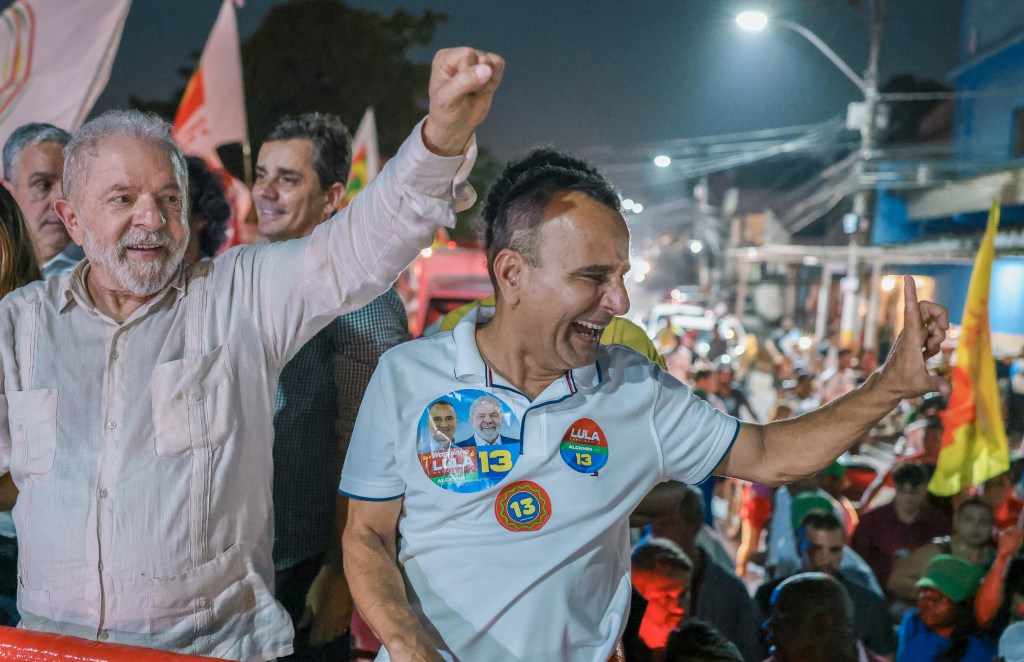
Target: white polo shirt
520,551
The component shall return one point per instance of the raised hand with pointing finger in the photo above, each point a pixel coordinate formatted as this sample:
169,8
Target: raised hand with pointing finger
924,329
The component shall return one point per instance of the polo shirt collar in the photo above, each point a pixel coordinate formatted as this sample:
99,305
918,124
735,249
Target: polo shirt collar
470,366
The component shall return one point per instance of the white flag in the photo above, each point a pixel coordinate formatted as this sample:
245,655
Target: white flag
212,111
55,59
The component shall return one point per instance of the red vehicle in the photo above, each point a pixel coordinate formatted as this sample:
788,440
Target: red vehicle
442,279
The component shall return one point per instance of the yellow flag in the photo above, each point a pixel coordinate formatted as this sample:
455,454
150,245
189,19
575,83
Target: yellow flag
974,446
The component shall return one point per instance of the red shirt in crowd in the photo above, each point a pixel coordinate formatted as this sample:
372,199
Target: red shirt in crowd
881,537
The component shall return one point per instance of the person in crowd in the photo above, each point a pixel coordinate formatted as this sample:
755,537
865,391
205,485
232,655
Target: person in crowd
208,212
832,480
666,339
811,619
1000,599
18,267
997,492
821,539
717,345
680,361
716,595
971,541
891,532
792,502
838,380
732,394
942,628
705,383
661,573
697,641
301,171
1011,644
145,513
557,254
804,396
756,511
33,163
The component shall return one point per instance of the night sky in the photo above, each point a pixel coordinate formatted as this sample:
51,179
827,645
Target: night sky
586,73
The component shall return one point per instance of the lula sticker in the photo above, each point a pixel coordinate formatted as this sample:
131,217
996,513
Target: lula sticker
584,447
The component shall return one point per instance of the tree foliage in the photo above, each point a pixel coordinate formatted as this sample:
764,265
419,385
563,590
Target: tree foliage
322,55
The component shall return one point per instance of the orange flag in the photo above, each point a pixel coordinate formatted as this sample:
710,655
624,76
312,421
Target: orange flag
212,113
974,446
365,157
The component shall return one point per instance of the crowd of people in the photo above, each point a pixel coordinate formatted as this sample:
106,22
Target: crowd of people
862,555
260,450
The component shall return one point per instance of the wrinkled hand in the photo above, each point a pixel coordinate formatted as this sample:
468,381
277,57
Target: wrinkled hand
462,85
1009,542
924,328
328,607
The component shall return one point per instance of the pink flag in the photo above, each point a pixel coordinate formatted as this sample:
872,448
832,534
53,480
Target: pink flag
55,59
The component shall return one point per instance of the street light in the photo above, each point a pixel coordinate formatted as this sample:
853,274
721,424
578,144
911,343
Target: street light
869,86
752,21
662,161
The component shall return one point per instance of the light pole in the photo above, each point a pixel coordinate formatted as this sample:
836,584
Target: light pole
863,202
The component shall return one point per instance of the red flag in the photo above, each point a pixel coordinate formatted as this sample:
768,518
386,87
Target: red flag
212,113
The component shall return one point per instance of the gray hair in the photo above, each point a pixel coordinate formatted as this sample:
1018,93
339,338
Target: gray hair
25,135
142,126
484,400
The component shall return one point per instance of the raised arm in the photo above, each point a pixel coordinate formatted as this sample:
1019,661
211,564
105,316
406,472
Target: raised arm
371,566
295,288
782,451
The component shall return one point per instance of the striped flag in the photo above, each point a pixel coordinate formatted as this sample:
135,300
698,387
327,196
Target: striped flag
212,113
55,59
974,446
365,157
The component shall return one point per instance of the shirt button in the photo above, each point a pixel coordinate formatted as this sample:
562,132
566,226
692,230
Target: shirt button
111,424
114,354
20,427
104,635
201,603
103,493
196,397
99,565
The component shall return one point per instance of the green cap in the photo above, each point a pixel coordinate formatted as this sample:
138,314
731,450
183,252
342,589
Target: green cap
804,503
952,576
835,469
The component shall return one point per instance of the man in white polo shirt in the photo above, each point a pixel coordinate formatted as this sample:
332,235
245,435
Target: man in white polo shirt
519,551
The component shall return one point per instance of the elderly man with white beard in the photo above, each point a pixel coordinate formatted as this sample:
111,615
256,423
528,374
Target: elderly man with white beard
137,393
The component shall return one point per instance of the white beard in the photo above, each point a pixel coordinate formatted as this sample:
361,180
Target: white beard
141,280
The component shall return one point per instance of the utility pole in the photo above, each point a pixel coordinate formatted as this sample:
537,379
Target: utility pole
864,200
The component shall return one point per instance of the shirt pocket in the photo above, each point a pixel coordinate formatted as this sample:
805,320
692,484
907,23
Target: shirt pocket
33,421
187,608
192,408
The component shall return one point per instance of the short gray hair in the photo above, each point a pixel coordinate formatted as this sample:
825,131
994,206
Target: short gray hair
25,135
485,400
142,126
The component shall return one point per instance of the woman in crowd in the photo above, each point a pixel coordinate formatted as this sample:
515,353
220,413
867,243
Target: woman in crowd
971,541
942,628
18,264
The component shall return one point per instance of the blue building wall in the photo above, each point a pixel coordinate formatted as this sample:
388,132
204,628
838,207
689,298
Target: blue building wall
1006,303
992,53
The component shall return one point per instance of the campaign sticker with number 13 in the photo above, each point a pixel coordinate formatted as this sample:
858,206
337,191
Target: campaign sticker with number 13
584,447
522,506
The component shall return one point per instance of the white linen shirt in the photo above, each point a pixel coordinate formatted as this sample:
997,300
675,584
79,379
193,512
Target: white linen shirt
142,450
561,591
